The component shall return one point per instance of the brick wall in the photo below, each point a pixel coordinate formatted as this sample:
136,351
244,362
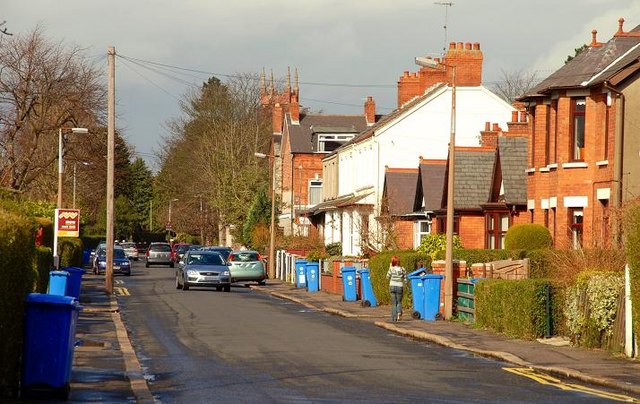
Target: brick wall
404,233
471,231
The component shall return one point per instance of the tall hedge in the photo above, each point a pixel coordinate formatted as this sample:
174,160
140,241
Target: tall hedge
514,308
379,265
632,248
17,240
70,252
475,256
527,236
42,263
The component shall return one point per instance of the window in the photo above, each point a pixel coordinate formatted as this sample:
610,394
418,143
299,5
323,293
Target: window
497,225
575,218
577,128
422,228
328,143
315,191
547,138
546,218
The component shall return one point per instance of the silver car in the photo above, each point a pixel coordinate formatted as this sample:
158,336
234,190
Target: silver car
158,254
203,269
131,250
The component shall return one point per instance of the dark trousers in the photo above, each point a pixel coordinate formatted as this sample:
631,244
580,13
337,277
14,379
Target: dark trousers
396,301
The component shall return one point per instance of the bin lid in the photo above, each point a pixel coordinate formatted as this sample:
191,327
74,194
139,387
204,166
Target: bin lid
348,269
312,264
74,270
417,273
301,261
47,299
432,276
58,273
363,270
475,280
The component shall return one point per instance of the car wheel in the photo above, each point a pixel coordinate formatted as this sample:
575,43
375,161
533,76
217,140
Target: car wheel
178,286
227,288
185,285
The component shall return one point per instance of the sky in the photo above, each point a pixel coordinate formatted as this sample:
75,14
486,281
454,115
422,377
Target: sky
366,44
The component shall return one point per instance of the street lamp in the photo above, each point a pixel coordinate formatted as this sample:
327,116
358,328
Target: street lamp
272,228
56,258
84,163
448,271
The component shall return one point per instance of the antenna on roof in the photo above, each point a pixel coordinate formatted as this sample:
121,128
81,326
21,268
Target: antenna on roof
446,9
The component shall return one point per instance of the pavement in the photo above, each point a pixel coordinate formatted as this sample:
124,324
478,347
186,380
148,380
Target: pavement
106,369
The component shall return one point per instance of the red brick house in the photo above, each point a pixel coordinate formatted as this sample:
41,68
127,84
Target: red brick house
398,195
300,140
584,139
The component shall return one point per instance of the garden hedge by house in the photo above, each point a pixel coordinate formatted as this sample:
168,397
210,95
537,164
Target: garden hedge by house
514,308
474,256
42,263
70,252
17,246
379,265
632,248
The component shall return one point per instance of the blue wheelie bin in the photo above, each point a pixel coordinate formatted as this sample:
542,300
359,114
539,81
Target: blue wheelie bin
49,334
417,293
74,281
313,282
58,283
368,297
86,257
349,284
301,269
431,295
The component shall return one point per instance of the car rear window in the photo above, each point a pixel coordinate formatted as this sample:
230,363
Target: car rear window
244,257
182,248
205,259
118,253
161,247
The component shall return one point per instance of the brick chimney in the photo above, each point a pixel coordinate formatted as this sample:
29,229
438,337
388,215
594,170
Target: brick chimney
468,60
518,125
489,136
370,111
294,109
277,117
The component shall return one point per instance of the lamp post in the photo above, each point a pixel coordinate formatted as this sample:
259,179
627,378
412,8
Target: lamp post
272,228
61,131
448,272
84,163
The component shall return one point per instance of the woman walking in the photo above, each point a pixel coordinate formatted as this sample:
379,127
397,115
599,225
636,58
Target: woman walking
397,277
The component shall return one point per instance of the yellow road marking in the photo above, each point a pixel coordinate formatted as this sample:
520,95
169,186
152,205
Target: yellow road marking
121,291
552,381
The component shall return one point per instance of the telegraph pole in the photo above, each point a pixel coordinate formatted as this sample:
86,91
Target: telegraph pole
111,131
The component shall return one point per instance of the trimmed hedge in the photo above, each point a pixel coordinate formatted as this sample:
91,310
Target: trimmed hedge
42,263
379,265
514,308
70,252
474,256
17,240
527,236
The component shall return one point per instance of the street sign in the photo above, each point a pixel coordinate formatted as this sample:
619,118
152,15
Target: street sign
67,222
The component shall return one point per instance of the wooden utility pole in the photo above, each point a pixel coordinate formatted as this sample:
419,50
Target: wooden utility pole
111,131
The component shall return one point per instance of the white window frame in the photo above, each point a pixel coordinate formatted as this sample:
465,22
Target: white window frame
332,137
314,183
418,234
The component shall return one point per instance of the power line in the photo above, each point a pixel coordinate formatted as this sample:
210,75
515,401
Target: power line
150,81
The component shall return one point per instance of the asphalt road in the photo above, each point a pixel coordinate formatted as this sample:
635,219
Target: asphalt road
207,346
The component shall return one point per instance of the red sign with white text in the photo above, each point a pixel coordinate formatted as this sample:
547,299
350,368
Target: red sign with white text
68,222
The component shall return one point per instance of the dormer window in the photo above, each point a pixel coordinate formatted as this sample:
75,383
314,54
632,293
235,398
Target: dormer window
578,107
329,142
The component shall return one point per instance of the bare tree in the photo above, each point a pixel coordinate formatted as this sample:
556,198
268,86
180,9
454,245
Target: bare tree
44,86
513,84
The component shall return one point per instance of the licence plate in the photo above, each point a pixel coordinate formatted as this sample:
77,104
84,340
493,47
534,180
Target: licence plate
210,278
116,267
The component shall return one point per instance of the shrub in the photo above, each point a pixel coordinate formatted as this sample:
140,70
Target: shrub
527,236
591,306
433,244
515,308
316,255
475,256
564,266
70,252
632,249
334,249
42,263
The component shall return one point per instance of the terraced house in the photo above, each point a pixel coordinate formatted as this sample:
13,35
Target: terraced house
584,141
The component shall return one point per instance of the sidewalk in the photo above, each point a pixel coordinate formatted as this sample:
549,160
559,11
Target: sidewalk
105,368
550,357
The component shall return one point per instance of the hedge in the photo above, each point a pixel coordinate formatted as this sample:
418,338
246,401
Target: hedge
42,263
47,230
70,252
527,236
17,241
379,265
474,256
514,308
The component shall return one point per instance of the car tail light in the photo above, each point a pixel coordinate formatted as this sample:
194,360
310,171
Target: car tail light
231,257
259,257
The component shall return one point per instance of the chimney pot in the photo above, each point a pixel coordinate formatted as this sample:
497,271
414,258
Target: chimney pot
476,46
496,127
460,45
406,73
467,46
487,126
620,24
523,116
514,116
452,45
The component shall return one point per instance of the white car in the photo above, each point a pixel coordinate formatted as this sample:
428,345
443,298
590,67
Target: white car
130,250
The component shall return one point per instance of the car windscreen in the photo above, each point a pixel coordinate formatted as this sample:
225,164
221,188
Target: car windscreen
244,256
161,248
205,259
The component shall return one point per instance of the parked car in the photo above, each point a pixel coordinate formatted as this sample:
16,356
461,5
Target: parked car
131,250
201,268
159,254
121,263
178,251
100,247
224,251
247,265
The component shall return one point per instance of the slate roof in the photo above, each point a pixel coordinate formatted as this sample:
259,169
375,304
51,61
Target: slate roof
431,185
593,66
513,162
400,190
304,137
474,169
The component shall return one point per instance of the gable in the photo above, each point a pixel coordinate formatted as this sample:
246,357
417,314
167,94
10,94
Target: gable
399,191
